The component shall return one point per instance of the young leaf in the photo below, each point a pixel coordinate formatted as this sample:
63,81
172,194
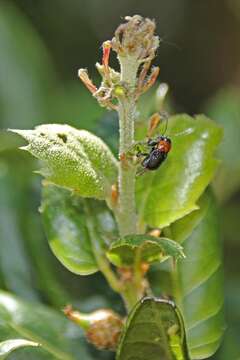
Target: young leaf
73,159
199,285
59,338
123,251
66,226
154,330
171,192
8,346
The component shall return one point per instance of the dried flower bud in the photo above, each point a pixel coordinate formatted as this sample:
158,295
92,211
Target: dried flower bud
151,79
114,75
103,327
83,75
136,38
154,121
105,333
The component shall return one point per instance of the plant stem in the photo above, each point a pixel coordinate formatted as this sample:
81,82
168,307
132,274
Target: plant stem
126,215
127,116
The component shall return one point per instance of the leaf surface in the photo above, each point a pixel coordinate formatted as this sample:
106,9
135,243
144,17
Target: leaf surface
199,285
66,225
73,159
225,109
171,192
59,338
150,249
154,330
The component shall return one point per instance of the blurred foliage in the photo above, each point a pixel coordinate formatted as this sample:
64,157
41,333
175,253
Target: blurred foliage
40,55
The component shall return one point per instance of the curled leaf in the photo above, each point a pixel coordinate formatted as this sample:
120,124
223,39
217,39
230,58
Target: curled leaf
151,249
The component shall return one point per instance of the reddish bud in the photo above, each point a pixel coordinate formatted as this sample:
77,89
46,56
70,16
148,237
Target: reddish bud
153,123
106,52
114,194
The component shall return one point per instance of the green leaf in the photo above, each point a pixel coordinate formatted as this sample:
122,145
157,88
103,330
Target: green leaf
182,228
199,285
59,338
171,192
225,109
154,330
15,265
73,159
123,251
8,346
66,225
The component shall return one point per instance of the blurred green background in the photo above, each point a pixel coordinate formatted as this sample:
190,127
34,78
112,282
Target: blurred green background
42,45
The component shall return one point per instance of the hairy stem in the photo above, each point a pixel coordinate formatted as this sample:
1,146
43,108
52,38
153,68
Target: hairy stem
126,216
126,180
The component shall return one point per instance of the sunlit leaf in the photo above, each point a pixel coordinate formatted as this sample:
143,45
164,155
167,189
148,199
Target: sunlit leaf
171,192
8,346
154,330
66,221
149,249
74,159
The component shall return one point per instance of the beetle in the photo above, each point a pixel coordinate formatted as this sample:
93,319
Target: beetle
161,146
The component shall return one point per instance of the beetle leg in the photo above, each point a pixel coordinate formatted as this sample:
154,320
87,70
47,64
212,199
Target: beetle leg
141,154
152,142
141,171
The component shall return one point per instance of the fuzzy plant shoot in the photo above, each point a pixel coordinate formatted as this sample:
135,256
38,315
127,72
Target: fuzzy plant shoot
148,220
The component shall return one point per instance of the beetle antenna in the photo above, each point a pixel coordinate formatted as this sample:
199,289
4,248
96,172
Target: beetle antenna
164,115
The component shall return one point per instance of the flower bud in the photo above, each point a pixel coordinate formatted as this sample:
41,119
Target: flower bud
103,327
136,38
